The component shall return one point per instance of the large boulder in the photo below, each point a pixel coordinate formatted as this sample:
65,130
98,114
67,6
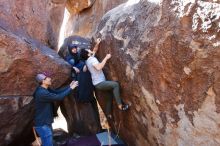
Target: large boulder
166,56
16,122
27,28
39,21
82,117
20,62
28,31
85,15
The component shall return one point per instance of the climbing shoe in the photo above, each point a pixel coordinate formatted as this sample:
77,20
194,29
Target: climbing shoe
125,107
109,117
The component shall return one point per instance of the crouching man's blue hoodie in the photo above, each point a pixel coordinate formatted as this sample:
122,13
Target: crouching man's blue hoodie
43,99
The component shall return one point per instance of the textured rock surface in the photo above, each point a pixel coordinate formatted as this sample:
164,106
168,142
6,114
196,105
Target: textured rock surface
28,31
76,6
39,21
83,22
20,62
12,125
24,27
82,118
166,55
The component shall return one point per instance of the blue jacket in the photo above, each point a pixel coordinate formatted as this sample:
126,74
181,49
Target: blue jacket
43,99
75,61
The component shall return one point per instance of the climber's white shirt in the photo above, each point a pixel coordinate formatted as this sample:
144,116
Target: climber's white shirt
97,75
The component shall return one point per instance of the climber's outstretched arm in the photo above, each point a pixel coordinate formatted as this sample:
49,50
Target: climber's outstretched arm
95,49
99,66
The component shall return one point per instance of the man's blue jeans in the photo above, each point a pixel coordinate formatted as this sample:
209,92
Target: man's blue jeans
46,134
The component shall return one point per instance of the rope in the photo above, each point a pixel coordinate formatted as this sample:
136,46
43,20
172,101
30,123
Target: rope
99,108
119,126
109,138
117,134
108,127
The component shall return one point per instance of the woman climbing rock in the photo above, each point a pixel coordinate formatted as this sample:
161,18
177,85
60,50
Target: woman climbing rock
98,78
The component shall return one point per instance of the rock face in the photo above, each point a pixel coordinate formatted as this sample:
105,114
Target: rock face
82,118
76,6
39,21
166,56
20,62
12,125
85,15
27,28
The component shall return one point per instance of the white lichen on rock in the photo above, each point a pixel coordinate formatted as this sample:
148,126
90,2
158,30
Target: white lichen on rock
203,131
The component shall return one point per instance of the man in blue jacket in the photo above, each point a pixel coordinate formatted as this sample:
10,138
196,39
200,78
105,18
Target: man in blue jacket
44,97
